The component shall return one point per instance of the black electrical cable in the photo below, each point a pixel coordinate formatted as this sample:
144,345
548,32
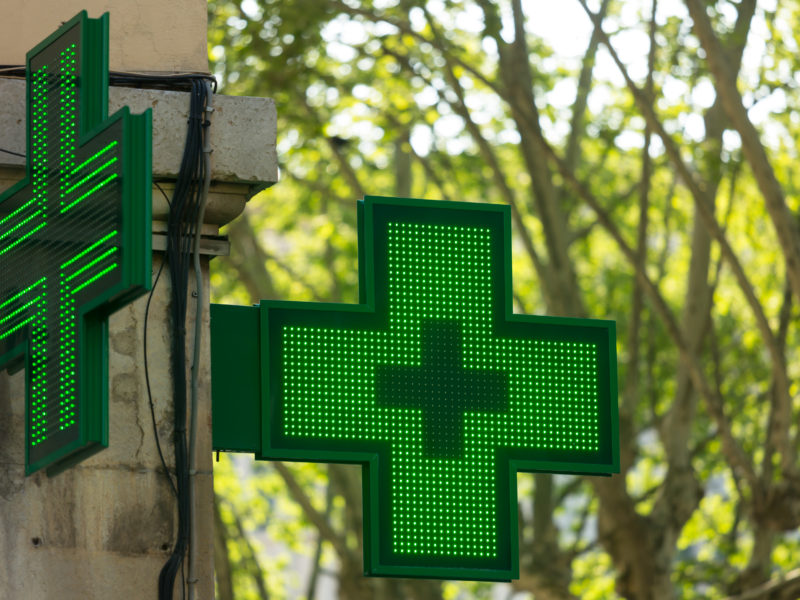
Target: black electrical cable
147,370
168,81
181,225
176,81
12,152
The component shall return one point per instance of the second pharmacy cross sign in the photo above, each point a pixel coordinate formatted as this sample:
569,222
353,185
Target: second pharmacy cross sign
436,388
74,241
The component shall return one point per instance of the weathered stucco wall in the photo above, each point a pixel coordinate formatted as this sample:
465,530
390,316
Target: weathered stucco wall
146,35
104,528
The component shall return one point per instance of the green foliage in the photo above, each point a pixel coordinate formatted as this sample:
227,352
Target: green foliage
393,97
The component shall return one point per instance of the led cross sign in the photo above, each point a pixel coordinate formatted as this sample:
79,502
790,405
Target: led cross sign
435,387
74,242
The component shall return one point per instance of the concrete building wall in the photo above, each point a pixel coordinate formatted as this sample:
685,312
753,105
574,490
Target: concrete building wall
146,35
243,135
104,528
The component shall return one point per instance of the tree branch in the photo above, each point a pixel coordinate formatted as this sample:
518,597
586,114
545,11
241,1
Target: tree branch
488,155
344,166
222,559
786,224
736,456
405,27
780,587
311,588
249,557
518,93
312,514
630,387
249,260
700,194
572,152
430,172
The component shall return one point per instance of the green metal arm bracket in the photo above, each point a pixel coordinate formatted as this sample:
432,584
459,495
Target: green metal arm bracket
236,378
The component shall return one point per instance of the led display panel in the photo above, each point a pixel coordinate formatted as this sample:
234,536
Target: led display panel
74,242
438,389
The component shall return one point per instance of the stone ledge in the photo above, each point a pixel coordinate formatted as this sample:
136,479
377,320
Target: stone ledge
243,132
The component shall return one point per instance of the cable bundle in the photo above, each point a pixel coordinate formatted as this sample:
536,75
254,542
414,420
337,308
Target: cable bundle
158,81
182,226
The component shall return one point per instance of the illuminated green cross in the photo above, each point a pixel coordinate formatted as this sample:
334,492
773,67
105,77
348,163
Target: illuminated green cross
431,383
74,242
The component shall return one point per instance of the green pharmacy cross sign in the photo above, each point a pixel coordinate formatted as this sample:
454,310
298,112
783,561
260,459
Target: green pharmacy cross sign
74,242
431,383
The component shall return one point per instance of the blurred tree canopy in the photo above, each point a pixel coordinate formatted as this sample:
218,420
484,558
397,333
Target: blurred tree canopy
651,182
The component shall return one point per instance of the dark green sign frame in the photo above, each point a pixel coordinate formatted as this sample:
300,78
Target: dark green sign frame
431,383
74,242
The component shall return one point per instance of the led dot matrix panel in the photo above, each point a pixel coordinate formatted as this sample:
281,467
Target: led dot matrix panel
438,389
74,242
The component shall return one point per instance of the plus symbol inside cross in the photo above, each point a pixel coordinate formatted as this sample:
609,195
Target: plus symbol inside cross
443,388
